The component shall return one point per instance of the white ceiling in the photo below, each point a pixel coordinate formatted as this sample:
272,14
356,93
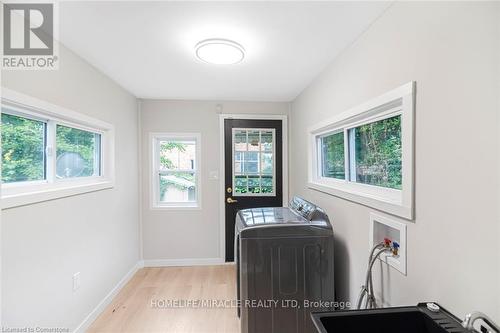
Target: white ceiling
148,47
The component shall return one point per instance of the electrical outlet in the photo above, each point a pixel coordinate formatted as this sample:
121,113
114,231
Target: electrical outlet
76,281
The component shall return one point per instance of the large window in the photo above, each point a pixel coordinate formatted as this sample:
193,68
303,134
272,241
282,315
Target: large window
50,152
374,154
175,170
366,154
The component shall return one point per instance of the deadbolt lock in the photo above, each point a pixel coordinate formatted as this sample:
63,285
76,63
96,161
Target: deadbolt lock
229,190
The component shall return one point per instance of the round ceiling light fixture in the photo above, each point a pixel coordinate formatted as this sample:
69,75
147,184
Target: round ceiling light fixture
220,51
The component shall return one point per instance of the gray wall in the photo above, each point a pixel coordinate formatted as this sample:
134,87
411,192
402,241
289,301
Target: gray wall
96,233
452,50
188,234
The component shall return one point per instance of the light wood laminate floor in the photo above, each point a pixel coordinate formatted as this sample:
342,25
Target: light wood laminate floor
133,310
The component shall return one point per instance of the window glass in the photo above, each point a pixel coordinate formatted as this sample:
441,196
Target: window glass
47,150
267,184
241,184
177,171
254,140
371,149
253,184
240,140
332,155
23,149
177,155
251,162
267,163
253,168
178,187
378,153
78,152
266,140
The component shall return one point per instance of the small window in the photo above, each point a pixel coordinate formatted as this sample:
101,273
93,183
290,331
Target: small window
78,153
366,154
376,153
332,154
49,152
175,171
23,148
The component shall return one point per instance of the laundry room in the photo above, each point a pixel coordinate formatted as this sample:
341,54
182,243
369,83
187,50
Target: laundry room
250,166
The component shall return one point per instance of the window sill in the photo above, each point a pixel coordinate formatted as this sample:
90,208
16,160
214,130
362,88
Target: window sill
46,192
385,203
172,207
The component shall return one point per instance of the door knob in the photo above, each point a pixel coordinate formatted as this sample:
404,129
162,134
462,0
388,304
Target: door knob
231,200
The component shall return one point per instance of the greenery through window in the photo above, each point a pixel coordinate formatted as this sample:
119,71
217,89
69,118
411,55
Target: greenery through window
378,153
253,168
333,160
26,150
23,149
78,152
177,174
378,141
375,152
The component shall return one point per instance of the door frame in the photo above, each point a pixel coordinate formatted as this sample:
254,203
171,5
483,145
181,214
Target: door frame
222,215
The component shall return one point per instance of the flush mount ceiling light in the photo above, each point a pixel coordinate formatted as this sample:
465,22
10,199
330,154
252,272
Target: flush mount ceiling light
220,51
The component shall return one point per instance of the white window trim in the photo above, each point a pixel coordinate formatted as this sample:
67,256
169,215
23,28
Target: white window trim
400,101
25,193
154,195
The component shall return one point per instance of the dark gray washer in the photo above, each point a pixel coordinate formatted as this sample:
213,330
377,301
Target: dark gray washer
283,254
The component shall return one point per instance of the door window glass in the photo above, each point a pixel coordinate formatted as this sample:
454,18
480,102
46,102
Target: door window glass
253,162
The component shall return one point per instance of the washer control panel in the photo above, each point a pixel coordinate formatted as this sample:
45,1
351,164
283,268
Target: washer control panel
307,210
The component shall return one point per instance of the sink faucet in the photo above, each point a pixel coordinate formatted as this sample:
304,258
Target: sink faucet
469,320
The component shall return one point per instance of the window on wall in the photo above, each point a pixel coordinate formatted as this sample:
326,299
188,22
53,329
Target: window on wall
50,152
332,155
23,148
375,153
78,152
176,159
366,154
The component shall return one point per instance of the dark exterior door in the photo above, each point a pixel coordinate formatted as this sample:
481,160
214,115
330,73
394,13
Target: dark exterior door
253,151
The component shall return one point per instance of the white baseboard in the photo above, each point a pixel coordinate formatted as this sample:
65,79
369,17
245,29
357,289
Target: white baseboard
85,324
183,262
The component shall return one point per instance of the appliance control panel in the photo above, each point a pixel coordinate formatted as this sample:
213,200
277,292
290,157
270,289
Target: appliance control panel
307,210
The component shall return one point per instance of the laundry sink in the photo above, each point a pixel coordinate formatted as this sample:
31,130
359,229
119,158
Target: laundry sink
412,319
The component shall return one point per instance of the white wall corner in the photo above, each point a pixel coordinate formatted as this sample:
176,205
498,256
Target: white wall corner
140,182
92,316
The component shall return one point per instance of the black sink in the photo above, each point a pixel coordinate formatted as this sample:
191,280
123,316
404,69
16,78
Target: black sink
411,319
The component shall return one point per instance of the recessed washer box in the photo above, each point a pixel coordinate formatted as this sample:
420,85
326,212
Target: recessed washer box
383,227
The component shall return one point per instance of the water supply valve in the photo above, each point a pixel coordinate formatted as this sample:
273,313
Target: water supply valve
395,248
